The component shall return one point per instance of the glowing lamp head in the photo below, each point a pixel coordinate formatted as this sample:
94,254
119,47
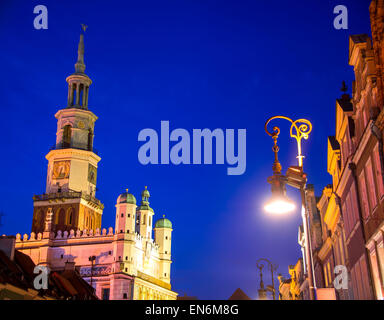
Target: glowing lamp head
279,203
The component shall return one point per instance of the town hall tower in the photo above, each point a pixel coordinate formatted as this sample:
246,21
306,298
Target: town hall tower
70,197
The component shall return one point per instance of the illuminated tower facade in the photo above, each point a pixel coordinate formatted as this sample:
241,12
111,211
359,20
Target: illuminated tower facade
72,163
163,237
121,263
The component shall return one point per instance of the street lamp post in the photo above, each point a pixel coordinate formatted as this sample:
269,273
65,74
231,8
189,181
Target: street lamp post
262,291
295,177
92,259
272,268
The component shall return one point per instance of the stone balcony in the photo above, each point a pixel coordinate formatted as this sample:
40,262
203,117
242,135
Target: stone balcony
61,196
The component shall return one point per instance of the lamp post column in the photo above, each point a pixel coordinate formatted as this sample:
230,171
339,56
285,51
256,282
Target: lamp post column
262,291
308,247
273,282
296,178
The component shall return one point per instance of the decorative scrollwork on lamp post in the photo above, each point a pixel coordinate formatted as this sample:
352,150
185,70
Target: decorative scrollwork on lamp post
272,267
300,128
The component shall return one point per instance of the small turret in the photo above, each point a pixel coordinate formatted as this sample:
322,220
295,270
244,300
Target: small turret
125,231
145,216
163,237
125,213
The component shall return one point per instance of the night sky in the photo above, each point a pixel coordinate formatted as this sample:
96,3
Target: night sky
199,64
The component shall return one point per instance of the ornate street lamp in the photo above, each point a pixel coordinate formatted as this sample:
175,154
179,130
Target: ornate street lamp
272,267
279,203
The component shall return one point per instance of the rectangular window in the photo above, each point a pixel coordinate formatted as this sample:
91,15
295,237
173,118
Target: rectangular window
347,215
325,275
365,118
348,143
336,252
365,280
359,282
377,170
354,284
341,245
329,273
371,184
363,195
354,209
376,275
105,294
344,151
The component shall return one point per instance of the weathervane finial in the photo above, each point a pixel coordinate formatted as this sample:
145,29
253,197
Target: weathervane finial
79,65
344,87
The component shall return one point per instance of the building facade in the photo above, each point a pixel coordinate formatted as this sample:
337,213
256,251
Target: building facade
358,183
124,262
296,286
17,278
351,209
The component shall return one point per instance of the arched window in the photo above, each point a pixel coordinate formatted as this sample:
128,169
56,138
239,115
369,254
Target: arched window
38,218
90,139
144,218
81,94
69,216
61,217
72,94
67,136
56,217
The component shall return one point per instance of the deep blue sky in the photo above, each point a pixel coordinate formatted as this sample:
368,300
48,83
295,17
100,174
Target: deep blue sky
198,64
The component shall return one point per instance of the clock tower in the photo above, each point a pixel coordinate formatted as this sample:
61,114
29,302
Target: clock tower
70,195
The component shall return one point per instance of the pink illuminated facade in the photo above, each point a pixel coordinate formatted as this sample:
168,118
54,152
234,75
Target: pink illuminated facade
351,209
131,261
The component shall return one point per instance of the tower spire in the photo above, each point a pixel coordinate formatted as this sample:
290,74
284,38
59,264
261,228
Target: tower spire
79,82
79,65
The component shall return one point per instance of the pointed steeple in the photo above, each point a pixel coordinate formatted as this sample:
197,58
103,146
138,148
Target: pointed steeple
79,82
79,65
